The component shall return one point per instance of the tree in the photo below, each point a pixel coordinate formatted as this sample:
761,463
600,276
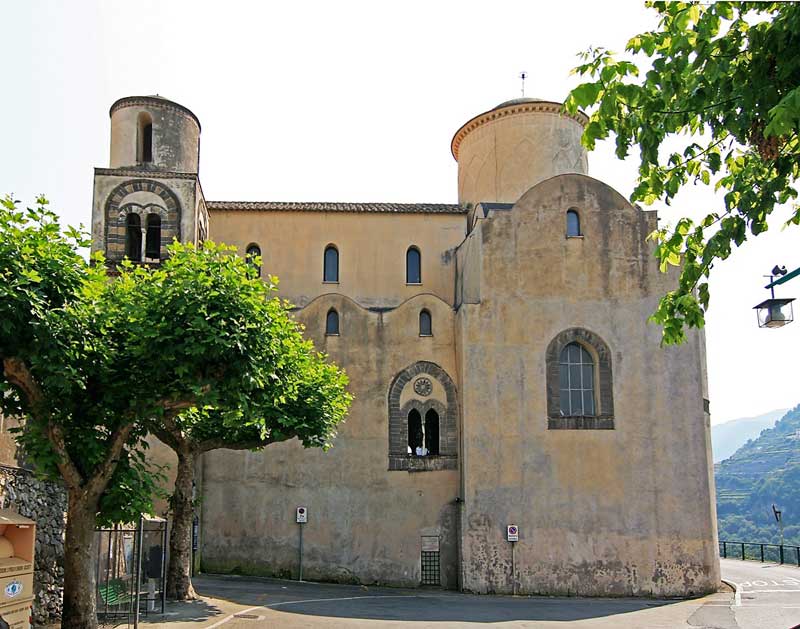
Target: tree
266,383
62,337
722,80
92,364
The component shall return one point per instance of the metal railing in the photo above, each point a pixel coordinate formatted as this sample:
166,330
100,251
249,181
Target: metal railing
756,551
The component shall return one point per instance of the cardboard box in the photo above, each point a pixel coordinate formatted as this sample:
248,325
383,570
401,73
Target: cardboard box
17,615
20,534
16,588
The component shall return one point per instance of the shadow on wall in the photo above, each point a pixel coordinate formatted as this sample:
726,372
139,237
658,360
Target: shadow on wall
431,605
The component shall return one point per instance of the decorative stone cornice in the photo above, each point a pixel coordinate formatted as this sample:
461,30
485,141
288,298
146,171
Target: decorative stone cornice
153,101
144,172
510,110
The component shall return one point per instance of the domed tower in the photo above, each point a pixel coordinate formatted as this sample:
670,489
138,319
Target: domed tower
150,194
505,151
153,132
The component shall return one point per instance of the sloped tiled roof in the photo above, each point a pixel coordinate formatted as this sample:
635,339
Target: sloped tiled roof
321,206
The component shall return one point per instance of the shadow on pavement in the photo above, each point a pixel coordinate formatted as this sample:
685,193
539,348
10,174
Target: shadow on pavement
182,611
373,603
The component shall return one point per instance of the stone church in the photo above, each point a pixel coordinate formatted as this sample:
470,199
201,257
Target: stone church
498,349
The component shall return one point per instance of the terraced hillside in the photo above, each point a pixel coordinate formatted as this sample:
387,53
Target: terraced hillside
763,471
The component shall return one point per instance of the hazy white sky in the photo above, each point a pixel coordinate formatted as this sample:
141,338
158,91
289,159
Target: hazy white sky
345,101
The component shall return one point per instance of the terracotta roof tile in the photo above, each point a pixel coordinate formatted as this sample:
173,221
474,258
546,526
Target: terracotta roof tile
321,206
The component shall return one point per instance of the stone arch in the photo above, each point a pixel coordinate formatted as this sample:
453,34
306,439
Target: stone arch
448,412
604,394
117,209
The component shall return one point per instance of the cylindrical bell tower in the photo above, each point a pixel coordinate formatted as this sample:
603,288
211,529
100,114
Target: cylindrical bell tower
504,152
153,132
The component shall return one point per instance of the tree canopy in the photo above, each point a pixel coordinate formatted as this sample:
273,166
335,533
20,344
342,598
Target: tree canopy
197,346
721,81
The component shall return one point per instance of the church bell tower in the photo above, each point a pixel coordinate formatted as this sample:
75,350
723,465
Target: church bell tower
151,193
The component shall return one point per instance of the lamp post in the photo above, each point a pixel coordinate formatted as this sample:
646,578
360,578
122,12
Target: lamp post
774,312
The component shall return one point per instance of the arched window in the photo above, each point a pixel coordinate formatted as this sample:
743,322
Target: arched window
152,243
573,223
413,266
330,271
425,326
432,432
133,237
576,381
332,323
145,137
415,435
253,257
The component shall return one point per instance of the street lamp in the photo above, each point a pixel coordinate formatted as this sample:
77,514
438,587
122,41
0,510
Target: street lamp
779,519
772,312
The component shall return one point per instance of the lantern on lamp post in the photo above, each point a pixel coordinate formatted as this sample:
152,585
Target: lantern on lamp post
774,312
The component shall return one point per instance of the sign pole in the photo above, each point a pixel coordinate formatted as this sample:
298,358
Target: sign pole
301,551
301,516
512,535
513,570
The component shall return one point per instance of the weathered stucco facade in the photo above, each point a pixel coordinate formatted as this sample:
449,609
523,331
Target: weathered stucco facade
462,429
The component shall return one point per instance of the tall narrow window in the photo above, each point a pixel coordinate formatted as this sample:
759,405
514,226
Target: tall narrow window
413,266
573,223
152,243
145,148
425,326
432,432
415,436
576,381
253,257
133,237
330,272
332,323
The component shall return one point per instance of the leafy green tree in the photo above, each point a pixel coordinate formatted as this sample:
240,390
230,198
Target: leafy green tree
93,364
720,81
62,337
265,381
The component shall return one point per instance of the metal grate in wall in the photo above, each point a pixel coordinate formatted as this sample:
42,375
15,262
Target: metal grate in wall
430,568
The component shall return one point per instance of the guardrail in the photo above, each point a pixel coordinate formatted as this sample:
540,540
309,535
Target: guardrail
756,551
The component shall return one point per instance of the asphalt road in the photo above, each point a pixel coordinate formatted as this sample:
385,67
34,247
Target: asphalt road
768,594
768,597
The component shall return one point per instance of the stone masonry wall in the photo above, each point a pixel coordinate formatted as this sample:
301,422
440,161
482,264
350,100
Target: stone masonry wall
45,503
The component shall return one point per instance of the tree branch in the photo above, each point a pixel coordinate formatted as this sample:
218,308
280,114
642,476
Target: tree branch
218,443
68,469
18,374
99,481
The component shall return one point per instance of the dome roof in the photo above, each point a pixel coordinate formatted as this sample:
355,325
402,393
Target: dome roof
519,101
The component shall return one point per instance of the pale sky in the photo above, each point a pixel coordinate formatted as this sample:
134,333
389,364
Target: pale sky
346,101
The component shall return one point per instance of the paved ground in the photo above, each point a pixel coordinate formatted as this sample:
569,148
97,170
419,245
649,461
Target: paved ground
768,594
768,598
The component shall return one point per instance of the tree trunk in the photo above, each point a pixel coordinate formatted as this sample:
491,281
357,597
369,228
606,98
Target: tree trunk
80,605
179,580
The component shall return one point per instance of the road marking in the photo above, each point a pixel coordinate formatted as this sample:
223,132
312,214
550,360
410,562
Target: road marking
339,598
737,594
219,623
779,591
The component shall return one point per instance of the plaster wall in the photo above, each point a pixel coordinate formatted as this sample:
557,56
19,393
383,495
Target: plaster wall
372,251
176,136
504,152
627,511
365,522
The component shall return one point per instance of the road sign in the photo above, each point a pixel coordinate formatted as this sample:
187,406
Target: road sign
302,515
512,533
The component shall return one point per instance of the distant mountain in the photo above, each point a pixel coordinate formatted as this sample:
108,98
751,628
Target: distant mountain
728,437
763,472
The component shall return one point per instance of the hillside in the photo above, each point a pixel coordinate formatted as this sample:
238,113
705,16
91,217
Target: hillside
763,471
728,437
